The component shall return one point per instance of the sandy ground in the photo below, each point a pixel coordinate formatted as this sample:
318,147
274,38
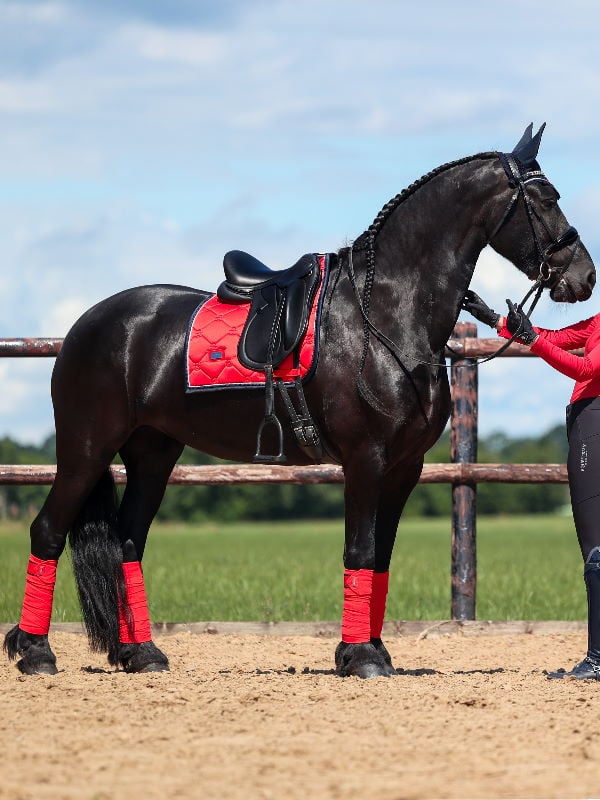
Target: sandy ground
264,717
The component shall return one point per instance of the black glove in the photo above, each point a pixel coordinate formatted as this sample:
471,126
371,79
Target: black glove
479,309
518,323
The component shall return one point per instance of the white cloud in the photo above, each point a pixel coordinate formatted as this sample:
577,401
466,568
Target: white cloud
24,97
178,47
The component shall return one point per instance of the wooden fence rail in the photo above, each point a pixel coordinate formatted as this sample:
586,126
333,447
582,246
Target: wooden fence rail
459,346
464,348
217,475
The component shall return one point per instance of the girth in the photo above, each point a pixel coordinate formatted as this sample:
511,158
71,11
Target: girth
281,302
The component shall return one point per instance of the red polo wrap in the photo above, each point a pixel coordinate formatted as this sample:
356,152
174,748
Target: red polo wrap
378,599
39,591
134,627
356,616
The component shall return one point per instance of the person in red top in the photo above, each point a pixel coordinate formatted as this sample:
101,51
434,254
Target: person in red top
583,433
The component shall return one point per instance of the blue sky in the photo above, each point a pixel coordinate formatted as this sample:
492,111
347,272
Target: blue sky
142,140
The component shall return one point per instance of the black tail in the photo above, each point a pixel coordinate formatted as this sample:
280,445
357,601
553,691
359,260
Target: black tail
97,562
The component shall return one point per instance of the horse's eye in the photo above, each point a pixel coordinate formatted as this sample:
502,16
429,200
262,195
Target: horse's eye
549,202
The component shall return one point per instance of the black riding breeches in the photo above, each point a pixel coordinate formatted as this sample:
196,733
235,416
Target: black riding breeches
583,465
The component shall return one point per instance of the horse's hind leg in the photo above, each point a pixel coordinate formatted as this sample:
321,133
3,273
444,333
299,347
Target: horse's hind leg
149,457
48,532
29,638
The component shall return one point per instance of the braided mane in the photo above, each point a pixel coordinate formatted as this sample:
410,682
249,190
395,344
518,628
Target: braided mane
366,241
366,238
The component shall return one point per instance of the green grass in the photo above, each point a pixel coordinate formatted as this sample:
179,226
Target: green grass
528,568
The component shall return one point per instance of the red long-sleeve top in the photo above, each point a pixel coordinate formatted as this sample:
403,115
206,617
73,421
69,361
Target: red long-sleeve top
552,346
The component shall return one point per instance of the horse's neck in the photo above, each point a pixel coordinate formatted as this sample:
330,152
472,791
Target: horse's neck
426,252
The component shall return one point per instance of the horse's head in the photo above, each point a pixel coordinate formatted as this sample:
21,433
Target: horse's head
533,232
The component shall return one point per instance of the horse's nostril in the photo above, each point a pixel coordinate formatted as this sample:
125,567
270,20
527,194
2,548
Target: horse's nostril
592,280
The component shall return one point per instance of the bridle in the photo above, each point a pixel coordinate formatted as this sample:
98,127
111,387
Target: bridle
547,273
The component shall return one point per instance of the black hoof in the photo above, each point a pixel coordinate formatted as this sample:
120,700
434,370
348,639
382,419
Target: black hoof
362,660
37,657
383,652
144,657
586,670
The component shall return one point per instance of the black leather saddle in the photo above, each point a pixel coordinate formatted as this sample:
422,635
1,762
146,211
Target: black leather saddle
280,300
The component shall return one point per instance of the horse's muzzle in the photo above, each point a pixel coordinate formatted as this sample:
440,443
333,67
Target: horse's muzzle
566,291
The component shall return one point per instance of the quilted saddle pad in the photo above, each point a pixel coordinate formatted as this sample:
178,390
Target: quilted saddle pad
212,341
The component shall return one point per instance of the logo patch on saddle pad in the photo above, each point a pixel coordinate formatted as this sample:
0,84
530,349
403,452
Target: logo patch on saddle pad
212,345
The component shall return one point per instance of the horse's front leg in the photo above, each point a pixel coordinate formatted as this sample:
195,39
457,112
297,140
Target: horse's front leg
373,509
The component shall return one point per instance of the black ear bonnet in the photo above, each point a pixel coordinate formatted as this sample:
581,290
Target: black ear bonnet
524,155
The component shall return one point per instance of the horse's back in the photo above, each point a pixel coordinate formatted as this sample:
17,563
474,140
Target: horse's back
110,324
117,347
138,302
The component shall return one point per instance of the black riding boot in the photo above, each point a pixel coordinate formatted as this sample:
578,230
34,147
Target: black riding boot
589,668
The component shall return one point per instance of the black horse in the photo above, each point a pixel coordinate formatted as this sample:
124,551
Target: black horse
379,395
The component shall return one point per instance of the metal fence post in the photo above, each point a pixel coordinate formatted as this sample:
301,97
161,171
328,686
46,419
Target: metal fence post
463,450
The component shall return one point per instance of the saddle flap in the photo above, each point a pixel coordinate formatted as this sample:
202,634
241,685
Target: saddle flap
277,320
261,340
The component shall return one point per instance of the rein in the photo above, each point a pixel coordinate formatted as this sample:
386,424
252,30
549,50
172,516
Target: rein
538,288
546,271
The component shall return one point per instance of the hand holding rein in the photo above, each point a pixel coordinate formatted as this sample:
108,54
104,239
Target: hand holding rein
519,325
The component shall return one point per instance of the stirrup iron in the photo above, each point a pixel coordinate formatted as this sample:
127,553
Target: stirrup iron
270,419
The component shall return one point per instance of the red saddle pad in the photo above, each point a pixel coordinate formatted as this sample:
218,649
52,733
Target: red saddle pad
212,341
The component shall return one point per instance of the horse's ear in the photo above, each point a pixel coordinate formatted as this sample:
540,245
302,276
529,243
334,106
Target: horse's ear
527,148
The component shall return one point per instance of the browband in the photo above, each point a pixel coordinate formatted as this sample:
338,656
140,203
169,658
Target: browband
517,173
